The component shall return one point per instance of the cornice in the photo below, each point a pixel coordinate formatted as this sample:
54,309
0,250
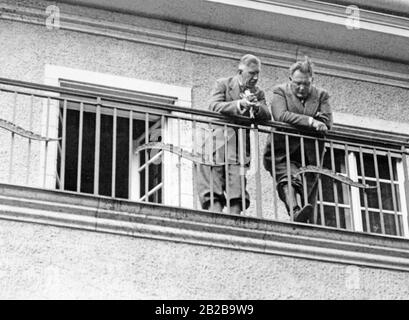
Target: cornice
141,220
190,39
370,19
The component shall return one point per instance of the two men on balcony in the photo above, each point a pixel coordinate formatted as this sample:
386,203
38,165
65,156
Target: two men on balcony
298,103
225,185
301,104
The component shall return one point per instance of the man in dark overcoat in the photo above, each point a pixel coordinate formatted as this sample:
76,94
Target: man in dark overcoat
306,107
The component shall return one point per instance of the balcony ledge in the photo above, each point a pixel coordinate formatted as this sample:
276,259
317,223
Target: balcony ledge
152,221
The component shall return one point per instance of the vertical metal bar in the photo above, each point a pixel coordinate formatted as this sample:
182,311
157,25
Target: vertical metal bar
29,139
114,138
290,189
12,138
394,203
47,124
335,186
130,155
179,168
195,166
162,121
226,168
80,137
319,164
273,171
351,170
304,180
97,145
361,160
378,190
406,188
211,168
64,143
242,170
146,157
259,193
353,207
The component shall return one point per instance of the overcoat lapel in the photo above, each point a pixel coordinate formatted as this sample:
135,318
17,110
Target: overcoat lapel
312,103
296,104
234,89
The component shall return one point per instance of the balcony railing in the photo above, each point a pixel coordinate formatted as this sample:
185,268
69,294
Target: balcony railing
146,148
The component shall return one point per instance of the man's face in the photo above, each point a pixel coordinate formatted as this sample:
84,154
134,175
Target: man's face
301,84
249,75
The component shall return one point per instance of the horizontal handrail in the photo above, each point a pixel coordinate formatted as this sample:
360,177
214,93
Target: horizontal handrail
347,133
98,147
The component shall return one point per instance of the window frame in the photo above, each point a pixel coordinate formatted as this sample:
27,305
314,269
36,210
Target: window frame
355,197
53,75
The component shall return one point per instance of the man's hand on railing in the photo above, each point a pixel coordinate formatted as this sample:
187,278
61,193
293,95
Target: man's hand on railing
319,126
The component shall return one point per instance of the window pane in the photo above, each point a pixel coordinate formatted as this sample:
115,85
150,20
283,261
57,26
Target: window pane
328,183
330,216
375,223
387,199
371,194
328,191
105,163
383,166
369,166
386,196
88,153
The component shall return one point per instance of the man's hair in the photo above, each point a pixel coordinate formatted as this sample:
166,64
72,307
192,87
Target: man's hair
304,67
248,59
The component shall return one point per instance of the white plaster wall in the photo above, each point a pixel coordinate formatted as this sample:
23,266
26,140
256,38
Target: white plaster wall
47,262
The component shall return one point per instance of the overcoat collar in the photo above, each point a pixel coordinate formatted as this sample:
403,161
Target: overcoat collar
234,88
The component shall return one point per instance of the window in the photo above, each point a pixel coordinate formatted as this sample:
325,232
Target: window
90,166
81,139
381,209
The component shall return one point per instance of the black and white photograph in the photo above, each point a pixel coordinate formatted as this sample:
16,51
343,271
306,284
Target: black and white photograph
212,153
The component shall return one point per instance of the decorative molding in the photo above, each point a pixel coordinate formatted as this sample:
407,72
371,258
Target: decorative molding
186,38
121,217
326,12
54,73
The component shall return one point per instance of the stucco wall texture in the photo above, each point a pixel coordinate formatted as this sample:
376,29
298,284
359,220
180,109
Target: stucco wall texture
59,263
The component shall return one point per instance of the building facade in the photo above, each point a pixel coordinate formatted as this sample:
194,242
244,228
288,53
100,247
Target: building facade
88,211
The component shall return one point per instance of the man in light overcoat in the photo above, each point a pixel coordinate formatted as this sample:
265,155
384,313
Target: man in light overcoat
234,96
